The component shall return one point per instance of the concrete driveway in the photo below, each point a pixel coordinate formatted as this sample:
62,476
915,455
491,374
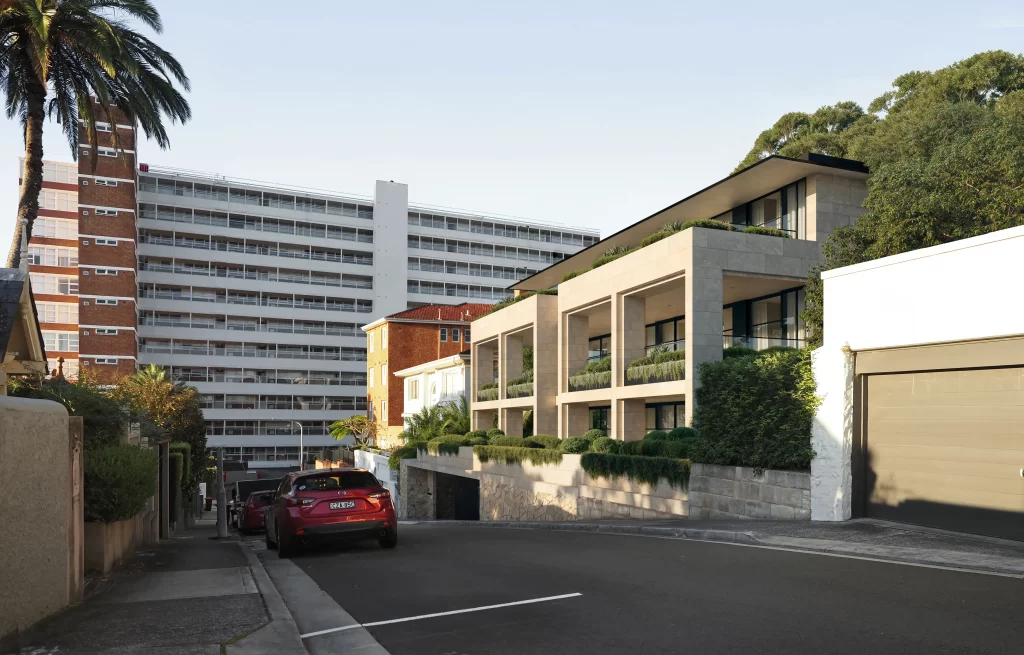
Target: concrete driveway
588,593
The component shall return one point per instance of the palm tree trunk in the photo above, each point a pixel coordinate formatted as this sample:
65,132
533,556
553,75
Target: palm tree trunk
32,174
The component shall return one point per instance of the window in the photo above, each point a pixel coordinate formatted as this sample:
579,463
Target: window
106,271
669,334
106,212
106,332
370,377
665,416
106,152
55,228
56,172
106,242
466,339
370,340
59,285
444,335
57,312
761,323
104,127
600,418
106,360
63,201
106,301
384,410
384,375
412,389
64,342
784,209
104,182
455,335
70,367
600,347
384,337
50,256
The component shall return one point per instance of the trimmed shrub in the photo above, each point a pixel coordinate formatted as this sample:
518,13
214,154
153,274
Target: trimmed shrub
479,441
708,223
594,375
605,445
649,470
544,441
451,439
397,455
523,296
119,480
738,351
654,238
594,434
575,445
607,259
506,440
656,435
186,464
438,447
767,231
488,385
630,447
682,434
756,411
528,442
513,455
571,274
476,434
495,432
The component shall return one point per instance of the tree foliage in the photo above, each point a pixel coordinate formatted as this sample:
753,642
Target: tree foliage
105,419
944,149
361,428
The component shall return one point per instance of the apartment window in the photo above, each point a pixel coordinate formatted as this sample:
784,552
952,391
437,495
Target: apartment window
70,367
370,340
384,375
384,337
370,377
106,212
106,360
765,322
669,334
106,271
104,127
49,312
600,418
55,228
665,416
466,336
384,410
455,335
599,348
106,152
61,173
444,335
106,242
412,389
64,342
106,332
784,209
59,285
106,301
103,182
63,201
50,256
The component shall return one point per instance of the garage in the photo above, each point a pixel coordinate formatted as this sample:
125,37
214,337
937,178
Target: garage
944,448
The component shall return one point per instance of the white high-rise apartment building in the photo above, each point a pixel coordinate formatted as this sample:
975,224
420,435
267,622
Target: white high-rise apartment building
255,293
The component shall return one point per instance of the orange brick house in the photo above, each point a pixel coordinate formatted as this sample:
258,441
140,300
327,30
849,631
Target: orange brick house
408,338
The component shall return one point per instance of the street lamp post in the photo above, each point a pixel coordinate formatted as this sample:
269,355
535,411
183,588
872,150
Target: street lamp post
302,463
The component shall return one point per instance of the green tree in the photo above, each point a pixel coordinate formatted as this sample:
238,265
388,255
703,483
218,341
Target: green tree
362,429
426,424
58,55
455,415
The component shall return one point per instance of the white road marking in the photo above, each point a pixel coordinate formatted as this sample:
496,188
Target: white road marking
437,614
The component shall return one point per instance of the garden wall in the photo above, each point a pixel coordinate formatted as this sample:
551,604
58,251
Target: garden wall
378,465
738,492
531,492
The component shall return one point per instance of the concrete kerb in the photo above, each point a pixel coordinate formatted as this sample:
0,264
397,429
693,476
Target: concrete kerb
969,562
280,635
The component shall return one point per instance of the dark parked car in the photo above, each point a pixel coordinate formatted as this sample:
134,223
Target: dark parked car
250,515
240,491
312,506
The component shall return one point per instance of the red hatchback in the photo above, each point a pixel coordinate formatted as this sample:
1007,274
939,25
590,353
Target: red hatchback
329,504
250,517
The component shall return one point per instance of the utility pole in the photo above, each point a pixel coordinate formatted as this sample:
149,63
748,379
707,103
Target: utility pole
222,500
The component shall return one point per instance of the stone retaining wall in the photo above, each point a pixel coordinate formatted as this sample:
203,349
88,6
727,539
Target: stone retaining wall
738,492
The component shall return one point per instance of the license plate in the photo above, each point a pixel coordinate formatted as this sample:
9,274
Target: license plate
344,504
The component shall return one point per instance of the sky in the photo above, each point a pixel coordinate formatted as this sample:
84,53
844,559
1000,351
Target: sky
586,113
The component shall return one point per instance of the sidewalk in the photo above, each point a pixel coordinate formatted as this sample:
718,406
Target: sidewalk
858,538
189,595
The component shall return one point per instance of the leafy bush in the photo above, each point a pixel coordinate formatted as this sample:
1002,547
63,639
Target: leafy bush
575,445
649,470
682,434
104,419
661,366
528,442
630,447
488,385
571,274
594,375
656,435
526,376
186,461
767,231
605,445
451,439
438,447
708,223
513,455
545,441
594,434
738,351
607,259
476,434
405,452
506,440
756,411
119,480
495,432
479,441
654,238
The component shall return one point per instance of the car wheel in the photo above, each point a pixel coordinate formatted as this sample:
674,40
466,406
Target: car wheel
390,540
270,544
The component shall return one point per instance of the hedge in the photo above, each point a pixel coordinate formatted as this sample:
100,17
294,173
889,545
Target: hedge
756,411
594,375
605,445
544,441
506,440
607,259
575,445
479,441
571,274
523,296
512,455
656,435
397,455
452,439
767,231
186,463
594,434
738,351
495,432
119,481
439,447
476,434
682,434
648,470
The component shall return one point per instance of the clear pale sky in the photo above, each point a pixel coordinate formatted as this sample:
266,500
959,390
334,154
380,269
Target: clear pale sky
581,112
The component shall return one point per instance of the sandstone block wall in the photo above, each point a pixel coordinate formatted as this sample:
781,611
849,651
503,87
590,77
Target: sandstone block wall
738,492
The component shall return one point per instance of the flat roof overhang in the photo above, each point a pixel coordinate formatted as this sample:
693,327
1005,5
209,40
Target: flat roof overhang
752,182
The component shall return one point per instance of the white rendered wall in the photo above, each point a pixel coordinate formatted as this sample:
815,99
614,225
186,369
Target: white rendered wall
390,241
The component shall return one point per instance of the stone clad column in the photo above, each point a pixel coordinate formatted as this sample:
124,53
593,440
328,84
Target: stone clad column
511,421
576,347
703,284
629,419
545,366
631,341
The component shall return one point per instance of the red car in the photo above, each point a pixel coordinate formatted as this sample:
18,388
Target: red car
311,506
250,516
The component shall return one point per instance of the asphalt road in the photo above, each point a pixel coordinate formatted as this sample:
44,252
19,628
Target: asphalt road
648,595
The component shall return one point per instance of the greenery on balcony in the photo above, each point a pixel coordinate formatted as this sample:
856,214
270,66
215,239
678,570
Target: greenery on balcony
523,296
595,375
767,231
520,386
487,391
657,367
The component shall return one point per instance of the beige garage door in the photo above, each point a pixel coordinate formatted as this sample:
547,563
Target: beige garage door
946,449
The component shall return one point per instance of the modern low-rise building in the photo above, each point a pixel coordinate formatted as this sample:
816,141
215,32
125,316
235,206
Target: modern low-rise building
445,380
618,346
407,339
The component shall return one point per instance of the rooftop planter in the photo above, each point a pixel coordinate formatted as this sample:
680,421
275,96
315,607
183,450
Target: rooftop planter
487,391
657,367
595,375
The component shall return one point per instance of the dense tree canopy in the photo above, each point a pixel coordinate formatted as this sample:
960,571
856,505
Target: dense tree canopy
946,156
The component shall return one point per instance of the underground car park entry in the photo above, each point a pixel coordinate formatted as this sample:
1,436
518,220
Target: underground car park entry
327,505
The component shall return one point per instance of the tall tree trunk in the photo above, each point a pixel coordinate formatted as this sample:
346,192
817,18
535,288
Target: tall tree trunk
32,174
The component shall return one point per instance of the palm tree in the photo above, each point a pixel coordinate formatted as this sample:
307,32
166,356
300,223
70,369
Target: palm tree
73,60
425,424
455,416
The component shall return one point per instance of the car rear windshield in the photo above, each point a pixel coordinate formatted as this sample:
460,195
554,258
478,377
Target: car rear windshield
332,481
263,495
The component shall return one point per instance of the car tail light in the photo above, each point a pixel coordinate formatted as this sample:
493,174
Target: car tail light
381,494
307,501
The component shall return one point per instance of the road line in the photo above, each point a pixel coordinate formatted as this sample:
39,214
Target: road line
437,614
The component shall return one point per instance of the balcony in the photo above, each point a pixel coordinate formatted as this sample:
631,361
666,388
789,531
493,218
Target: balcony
520,386
759,343
657,366
595,375
487,392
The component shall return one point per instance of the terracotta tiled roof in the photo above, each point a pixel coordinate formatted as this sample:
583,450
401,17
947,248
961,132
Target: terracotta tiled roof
465,312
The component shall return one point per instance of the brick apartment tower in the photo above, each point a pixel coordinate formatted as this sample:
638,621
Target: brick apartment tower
106,251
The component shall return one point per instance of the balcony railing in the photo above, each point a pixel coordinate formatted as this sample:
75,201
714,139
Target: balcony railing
760,343
666,346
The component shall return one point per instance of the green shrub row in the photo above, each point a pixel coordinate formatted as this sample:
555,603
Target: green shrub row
523,296
518,455
397,455
594,375
542,441
455,439
649,470
439,448
767,231
119,480
186,461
